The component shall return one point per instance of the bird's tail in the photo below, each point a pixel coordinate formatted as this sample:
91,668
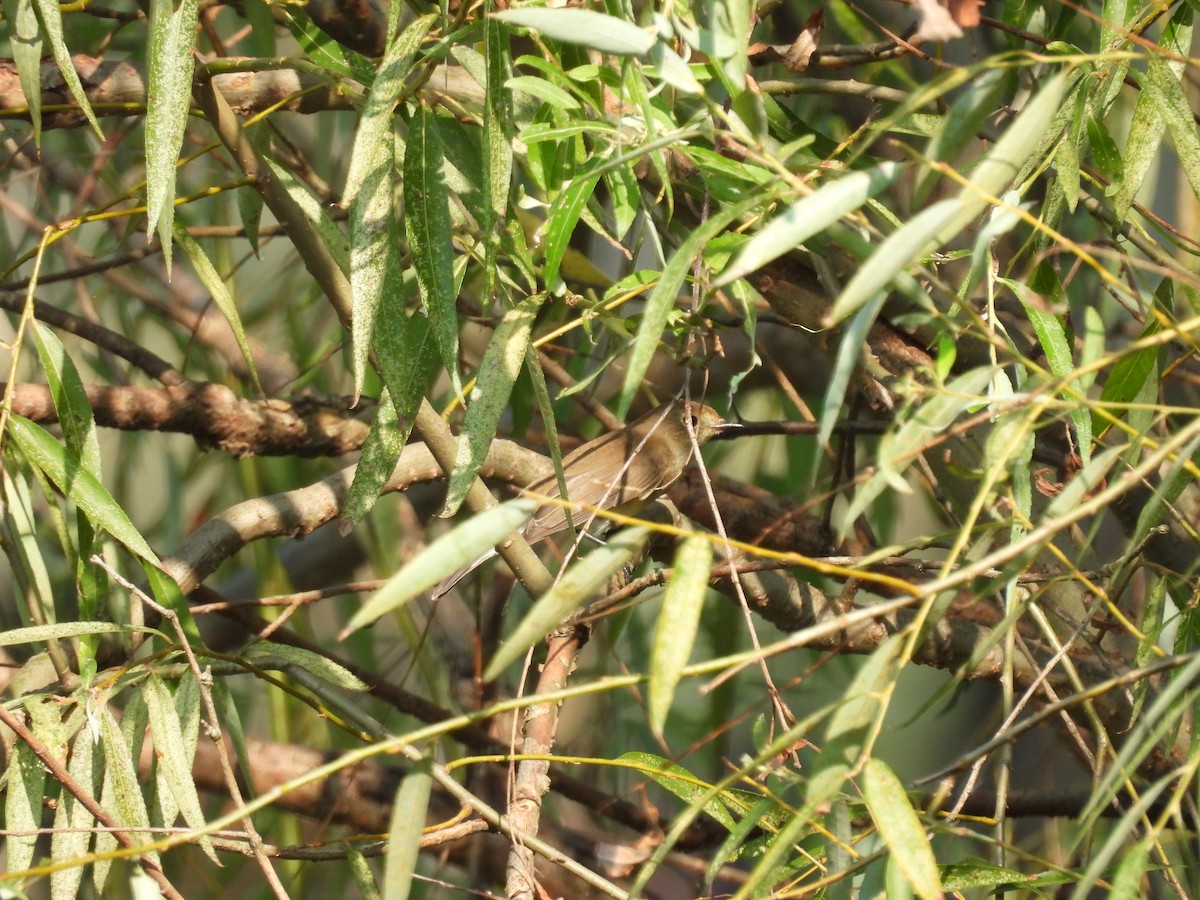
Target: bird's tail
446,584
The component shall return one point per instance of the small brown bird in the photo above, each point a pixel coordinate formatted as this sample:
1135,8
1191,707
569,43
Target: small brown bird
623,468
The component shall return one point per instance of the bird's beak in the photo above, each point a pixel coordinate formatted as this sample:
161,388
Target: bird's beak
727,430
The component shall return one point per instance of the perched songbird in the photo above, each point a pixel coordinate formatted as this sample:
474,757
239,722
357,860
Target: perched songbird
623,469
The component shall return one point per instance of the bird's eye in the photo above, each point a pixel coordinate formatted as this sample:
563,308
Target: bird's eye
695,421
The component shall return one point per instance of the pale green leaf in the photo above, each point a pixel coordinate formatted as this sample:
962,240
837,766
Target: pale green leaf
314,213
37,633
808,217
72,819
376,277
498,371
564,214
915,238
50,15
900,828
666,292
26,42
543,90
168,102
960,125
173,762
404,830
1161,85
497,146
121,793
70,399
375,124
77,483
1146,128
678,622
443,557
221,295
929,421
607,34
674,71
680,782
429,229
570,592
25,780
269,652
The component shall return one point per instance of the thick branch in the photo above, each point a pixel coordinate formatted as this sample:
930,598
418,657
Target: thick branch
119,89
215,416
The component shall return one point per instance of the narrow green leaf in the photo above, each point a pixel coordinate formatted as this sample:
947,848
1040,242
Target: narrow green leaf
736,844
1104,148
943,221
975,873
449,553
1132,373
376,461
572,590
550,94
429,229
168,102
662,298
250,207
26,41
404,830
564,214
25,781
497,146
678,622
70,399
77,483
1029,131
51,18
808,217
1146,130
498,371
915,238
607,34
1066,157
677,780
1116,846
1045,291
958,128
121,793
901,829
1147,127
375,271
323,50
375,124
37,633
26,553
313,663
673,70
221,296
730,35
72,819
1128,882
361,872
625,198
1161,85
408,361
850,349
928,421
173,762
782,843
